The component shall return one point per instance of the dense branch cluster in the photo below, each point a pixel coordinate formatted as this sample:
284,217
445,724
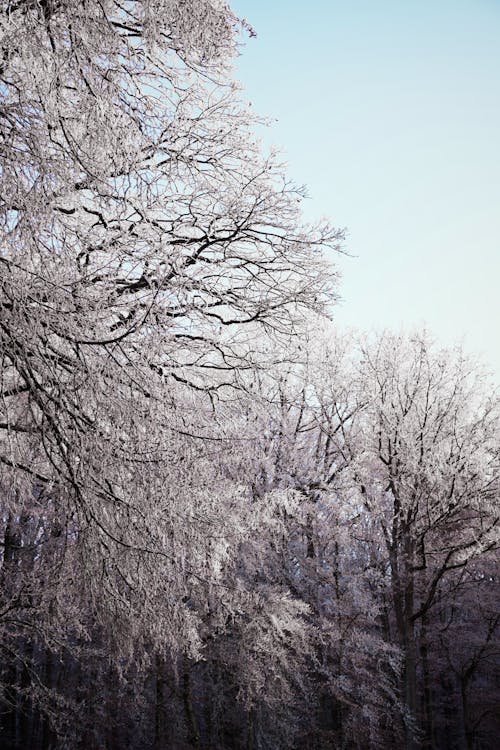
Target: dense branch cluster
221,526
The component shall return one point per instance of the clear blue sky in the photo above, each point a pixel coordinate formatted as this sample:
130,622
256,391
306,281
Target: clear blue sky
389,112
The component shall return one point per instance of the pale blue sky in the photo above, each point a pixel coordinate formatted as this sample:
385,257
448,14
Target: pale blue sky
389,112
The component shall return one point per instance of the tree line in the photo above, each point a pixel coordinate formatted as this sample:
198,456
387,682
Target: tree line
223,524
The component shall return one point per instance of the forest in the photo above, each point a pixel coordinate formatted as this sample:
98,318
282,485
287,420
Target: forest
224,523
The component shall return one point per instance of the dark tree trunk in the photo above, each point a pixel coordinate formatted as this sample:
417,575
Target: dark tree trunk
160,739
193,735
428,698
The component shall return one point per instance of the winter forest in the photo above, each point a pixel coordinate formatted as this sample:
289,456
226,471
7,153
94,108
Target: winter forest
224,523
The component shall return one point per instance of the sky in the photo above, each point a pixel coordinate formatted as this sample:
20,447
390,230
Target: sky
389,113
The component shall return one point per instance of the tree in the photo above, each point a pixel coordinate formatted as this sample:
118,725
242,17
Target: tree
150,253
142,233
305,423
393,446
428,476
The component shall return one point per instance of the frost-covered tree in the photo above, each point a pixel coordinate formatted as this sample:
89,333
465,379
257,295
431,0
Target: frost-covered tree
427,474
305,421
142,228
146,245
150,254
393,446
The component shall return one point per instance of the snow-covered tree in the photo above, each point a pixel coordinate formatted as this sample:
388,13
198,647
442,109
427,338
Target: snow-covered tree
428,477
150,255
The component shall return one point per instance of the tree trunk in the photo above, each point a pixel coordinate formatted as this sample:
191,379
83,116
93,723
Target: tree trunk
410,684
428,712
160,707
250,743
468,735
193,735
